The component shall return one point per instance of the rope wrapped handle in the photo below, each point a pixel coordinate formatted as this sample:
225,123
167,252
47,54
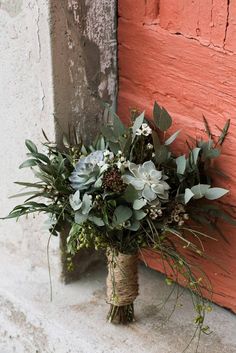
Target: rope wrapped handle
122,279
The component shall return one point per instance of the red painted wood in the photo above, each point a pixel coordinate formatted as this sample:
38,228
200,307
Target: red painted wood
182,53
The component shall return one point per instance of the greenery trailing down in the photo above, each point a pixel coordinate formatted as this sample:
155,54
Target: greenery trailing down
130,191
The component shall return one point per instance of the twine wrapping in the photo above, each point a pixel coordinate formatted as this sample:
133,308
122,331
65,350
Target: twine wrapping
122,279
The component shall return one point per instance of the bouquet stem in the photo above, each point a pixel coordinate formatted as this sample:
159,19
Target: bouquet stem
122,286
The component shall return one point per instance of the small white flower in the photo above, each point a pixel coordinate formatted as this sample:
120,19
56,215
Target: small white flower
106,153
119,165
145,130
119,153
153,155
122,159
149,146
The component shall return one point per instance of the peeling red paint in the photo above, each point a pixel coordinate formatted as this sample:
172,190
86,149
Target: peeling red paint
182,53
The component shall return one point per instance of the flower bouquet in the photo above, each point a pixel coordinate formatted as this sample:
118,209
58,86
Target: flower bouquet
127,192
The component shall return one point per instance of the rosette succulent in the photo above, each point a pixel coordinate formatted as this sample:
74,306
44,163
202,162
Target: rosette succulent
148,181
87,171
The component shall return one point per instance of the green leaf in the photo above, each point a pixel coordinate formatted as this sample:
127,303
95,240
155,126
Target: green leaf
156,140
139,214
181,164
42,157
137,123
114,147
200,190
108,133
161,154
96,220
121,215
188,195
172,138
215,193
224,132
130,194
135,225
21,194
119,128
207,127
28,163
138,204
15,214
30,185
164,122
87,204
156,112
212,153
194,154
127,146
31,146
80,218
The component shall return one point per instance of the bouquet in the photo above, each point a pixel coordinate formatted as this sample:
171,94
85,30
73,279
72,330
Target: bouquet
129,191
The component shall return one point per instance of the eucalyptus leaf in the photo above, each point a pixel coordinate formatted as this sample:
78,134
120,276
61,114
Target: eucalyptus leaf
215,193
194,154
96,220
119,128
162,154
200,190
211,153
134,226
138,123
121,215
139,214
188,195
181,164
80,218
156,112
164,122
138,204
130,194
172,138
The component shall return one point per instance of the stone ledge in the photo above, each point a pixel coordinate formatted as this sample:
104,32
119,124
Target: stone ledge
75,321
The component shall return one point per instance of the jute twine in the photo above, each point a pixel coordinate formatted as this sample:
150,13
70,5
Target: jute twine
122,279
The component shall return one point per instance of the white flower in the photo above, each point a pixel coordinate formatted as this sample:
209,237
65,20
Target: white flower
145,130
108,155
149,146
119,165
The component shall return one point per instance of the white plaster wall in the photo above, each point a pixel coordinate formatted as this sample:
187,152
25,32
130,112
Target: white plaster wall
26,106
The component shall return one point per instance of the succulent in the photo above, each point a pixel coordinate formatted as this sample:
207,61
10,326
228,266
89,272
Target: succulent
87,171
148,181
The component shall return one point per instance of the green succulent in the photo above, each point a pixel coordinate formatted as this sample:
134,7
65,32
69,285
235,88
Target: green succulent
148,181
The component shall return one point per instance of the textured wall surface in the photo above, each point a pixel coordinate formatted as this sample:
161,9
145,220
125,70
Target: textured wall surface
83,37
182,53
84,61
26,101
